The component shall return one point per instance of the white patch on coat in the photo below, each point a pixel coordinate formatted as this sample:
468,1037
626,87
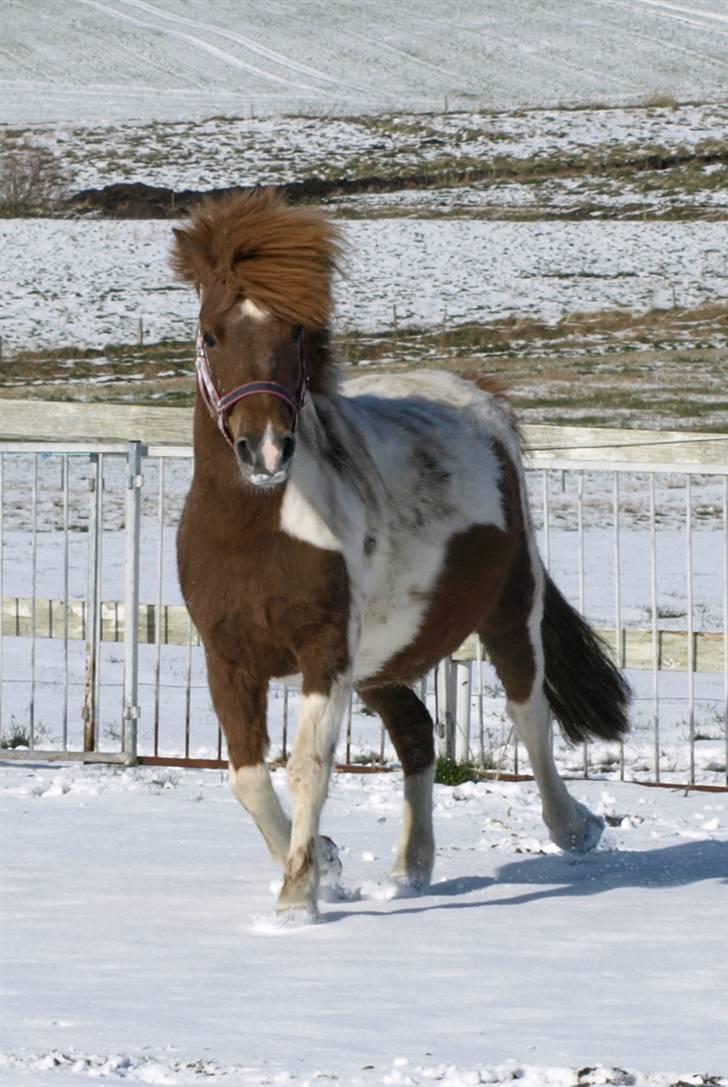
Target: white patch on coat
300,519
270,452
249,308
253,787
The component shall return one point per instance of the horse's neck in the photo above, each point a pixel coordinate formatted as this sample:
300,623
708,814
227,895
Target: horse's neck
217,483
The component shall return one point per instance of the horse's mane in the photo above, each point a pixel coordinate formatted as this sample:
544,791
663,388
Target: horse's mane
254,245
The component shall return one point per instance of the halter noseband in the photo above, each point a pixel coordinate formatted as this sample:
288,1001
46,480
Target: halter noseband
220,407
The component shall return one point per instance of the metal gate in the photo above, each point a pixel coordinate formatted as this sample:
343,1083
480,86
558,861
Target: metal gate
99,660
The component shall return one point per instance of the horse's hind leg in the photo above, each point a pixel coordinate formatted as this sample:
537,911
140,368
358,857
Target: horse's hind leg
512,637
410,727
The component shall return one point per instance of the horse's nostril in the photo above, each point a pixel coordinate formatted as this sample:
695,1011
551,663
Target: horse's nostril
243,452
288,445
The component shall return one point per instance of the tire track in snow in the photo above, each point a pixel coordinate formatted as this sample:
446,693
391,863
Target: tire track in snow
207,47
248,43
709,15
488,35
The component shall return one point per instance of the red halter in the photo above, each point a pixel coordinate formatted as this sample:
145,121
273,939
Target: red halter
220,407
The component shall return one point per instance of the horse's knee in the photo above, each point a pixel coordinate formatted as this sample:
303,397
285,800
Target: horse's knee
408,723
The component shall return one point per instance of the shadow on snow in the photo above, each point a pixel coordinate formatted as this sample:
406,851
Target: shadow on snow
564,875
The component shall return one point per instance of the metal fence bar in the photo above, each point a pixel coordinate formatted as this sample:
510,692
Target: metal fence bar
188,692
725,621
690,604
66,597
99,598
580,568
619,643
132,533
92,608
480,692
158,624
655,641
2,582
546,517
33,591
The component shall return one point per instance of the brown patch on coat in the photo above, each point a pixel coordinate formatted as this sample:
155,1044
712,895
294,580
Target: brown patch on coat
486,584
488,383
264,603
256,246
408,722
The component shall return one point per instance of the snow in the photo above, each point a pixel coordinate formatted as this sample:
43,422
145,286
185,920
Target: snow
91,60
98,278
140,943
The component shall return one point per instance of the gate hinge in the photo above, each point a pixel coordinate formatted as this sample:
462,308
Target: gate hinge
136,481
132,713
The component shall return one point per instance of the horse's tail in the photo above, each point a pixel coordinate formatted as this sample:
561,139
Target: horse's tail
587,693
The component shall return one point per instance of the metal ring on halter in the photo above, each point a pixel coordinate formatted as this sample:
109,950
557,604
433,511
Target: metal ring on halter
219,406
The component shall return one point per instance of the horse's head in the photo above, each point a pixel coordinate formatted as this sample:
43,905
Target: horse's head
263,272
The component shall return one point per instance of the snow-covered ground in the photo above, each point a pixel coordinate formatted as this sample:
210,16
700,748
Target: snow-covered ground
226,151
88,60
96,279
140,941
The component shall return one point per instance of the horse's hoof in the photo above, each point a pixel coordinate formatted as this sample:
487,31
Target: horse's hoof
410,884
330,868
294,917
295,899
582,834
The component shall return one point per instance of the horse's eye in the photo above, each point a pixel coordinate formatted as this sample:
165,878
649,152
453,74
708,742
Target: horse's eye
208,339
297,332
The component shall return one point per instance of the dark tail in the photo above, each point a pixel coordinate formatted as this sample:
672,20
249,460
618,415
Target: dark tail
587,693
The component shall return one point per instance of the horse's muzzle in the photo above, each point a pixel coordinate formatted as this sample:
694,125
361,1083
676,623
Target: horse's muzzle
266,461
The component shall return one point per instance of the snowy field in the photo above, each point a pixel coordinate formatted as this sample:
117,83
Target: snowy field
141,944
96,279
86,60
225,151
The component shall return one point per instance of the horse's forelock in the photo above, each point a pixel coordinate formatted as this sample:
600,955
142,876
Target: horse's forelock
281,257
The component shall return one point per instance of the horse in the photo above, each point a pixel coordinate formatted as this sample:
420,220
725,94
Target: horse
354,534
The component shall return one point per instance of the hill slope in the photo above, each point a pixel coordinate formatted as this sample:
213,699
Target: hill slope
90,60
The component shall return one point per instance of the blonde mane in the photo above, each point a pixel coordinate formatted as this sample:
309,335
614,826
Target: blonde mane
256,246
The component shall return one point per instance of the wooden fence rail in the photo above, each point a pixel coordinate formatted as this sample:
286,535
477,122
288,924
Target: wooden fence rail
170,625
606,447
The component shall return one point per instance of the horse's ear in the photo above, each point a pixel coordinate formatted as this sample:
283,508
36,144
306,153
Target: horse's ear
190,260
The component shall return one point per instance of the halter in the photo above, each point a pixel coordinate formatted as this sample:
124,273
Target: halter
220,407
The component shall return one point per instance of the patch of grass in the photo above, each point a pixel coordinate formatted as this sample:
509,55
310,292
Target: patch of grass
449,772
19,736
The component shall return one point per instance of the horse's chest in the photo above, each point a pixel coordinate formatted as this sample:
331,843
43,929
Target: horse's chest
254,600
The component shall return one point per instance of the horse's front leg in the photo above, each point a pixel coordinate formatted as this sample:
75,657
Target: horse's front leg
240,701
309,770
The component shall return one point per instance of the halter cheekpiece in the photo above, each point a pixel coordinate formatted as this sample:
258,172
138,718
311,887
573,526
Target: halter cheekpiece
220,407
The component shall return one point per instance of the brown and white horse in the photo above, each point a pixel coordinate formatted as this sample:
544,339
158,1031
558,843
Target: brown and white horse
355,535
